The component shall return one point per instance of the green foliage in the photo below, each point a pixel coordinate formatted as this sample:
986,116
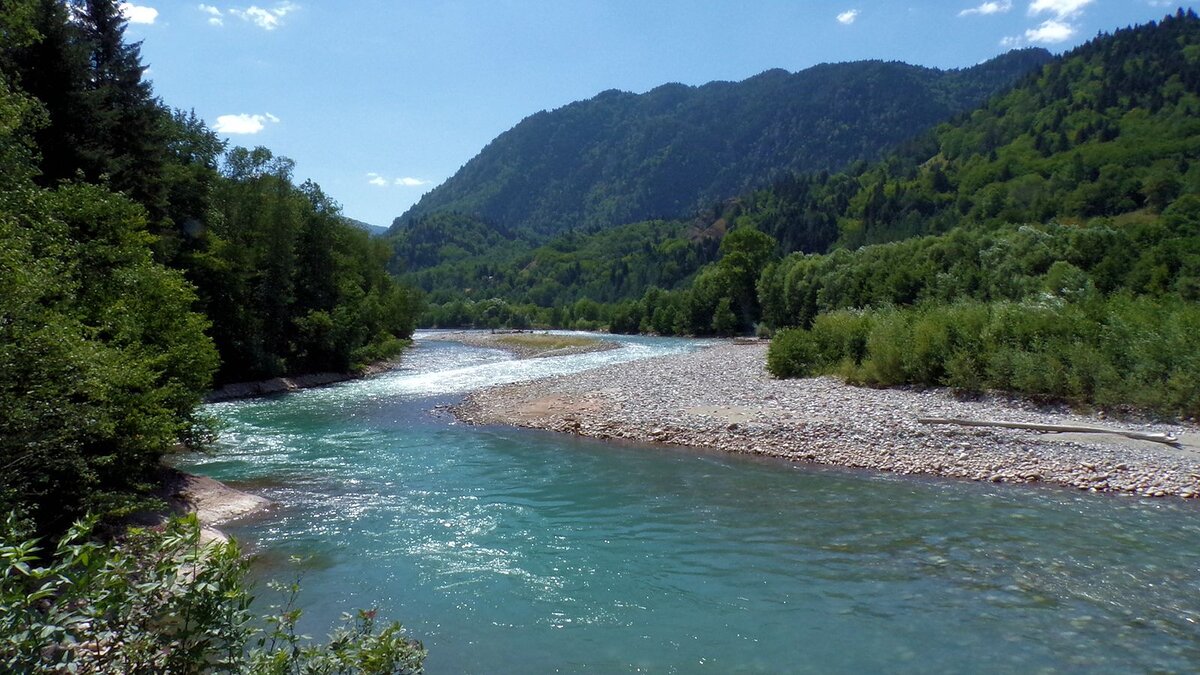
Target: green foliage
164,602
1110,128
609,266
620,157
109,206
101,358
1122,353
1158,256
290,286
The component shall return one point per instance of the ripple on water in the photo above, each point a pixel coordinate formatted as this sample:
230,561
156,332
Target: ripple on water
509,551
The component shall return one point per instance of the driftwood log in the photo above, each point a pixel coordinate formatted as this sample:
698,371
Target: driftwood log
1156,437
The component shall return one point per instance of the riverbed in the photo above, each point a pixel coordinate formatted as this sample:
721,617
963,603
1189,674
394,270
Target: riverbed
510,550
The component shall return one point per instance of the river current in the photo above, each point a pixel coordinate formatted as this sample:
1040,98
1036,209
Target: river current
516,551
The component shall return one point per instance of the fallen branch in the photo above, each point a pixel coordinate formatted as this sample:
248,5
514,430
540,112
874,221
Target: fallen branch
1156,437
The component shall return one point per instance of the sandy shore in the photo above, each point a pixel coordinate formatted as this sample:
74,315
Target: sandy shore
530,350
722,398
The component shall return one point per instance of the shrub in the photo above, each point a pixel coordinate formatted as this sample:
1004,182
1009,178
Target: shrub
162,602
1125,352
793,353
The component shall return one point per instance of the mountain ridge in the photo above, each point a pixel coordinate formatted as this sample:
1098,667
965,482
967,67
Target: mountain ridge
621,157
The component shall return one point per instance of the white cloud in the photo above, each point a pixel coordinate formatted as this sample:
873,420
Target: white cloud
847,17
137,14
1061,9
266,19
214,15
244,123
406,181
991,7
1051,31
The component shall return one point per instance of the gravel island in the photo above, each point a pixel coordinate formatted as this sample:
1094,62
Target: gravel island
722,398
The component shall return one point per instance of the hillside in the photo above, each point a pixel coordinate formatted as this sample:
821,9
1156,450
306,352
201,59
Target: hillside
621,157
1081,180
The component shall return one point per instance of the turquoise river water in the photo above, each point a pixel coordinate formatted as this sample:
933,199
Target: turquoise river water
515,551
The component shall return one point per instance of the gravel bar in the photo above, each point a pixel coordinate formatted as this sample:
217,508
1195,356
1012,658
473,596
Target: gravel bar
478,338
721,397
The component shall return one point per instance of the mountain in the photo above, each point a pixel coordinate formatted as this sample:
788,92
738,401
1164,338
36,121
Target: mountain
373,230
621,157
1081,179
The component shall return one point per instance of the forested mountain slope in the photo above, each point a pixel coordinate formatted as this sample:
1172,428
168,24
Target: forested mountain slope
621,157
1079,182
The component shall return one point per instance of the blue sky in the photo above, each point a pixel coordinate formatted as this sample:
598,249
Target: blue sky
381,100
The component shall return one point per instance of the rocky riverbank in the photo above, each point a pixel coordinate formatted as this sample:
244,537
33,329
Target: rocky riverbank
213,502
722,398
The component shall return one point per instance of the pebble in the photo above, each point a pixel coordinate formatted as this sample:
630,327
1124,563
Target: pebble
825,421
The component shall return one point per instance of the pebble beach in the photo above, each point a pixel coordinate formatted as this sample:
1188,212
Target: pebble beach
722,398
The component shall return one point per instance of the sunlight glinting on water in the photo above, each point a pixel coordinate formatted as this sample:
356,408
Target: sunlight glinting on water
514,551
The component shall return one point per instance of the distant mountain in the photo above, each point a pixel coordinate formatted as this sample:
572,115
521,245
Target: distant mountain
373,230
621,157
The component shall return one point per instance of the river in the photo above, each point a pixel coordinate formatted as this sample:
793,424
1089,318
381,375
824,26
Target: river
515,551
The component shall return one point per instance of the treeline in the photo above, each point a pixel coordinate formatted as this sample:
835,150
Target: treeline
289,286
1108,130
139,259
605,266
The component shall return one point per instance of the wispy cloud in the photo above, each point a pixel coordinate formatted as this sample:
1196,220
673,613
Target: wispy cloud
847,17
215,17
137,13
407,181
266,19
995,7
244,123
1061,9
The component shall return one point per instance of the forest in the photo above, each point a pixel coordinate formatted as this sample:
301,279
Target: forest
1076,190
142,260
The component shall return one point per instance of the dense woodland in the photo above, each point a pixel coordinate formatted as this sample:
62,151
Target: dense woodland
1076,189
142,259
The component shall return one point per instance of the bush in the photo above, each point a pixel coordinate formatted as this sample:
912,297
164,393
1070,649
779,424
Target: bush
793,353
162,602
1126,352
